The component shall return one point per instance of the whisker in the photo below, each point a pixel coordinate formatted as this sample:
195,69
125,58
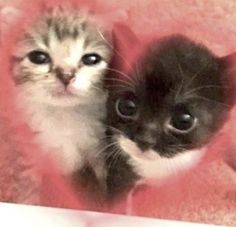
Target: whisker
182,82
118,53
111,155
118,156
114,157
121,81
177,147
131,80
115,129
95,87
210,100
106,136
121,73
138,76
196,75
115,50
122,87
99,152
204,87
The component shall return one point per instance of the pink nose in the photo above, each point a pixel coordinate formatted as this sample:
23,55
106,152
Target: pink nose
65,76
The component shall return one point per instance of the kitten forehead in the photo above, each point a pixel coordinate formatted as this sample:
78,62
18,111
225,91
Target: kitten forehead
66,34
175,69
66,24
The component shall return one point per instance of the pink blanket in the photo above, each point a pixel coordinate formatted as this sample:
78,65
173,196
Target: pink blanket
210,196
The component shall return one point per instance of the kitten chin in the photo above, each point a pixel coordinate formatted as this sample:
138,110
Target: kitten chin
164,112
154,168
59,65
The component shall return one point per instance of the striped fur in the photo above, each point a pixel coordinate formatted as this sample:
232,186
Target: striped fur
68,126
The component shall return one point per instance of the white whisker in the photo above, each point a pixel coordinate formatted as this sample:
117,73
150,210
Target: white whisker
203,87
114,50
195,76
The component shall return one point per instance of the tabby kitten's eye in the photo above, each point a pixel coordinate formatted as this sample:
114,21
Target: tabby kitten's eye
39,57
91,59
181,121
126,108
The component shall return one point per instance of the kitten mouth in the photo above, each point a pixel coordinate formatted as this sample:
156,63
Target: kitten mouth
64,93
133,150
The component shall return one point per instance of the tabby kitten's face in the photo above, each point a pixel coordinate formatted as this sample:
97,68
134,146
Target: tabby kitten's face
163,113
61,58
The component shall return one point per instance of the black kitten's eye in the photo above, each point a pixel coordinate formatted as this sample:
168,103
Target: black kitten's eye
126,108
91,59
182,121
39,57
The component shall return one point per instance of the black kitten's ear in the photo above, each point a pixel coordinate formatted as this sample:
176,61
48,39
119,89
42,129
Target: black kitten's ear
124,37
228,68
125,42
229,61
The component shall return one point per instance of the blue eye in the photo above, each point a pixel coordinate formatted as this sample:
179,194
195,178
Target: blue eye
39,57
91,59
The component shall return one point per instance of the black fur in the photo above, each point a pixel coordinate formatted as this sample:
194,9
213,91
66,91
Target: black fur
172,72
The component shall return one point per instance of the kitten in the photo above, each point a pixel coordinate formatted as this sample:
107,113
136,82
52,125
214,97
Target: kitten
58,69
163,111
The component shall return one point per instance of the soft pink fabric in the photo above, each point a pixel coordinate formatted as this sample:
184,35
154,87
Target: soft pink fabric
209,193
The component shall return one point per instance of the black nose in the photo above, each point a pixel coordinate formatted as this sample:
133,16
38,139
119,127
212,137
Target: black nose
65,76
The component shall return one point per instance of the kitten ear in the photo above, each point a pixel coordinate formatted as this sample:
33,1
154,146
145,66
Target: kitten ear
125,43
124,36
229,61
228,67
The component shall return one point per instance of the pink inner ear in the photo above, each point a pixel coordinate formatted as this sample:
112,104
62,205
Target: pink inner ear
126,45
125,37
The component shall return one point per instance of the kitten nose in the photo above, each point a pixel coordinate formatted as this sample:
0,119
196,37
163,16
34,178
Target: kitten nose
65,76
145,141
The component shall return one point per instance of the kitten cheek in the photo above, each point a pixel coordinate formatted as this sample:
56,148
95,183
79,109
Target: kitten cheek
156,171
82,83
101,66
155,168
87,76
131,148
35,69
44,69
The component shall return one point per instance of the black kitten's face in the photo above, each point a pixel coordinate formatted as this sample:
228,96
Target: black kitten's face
164,113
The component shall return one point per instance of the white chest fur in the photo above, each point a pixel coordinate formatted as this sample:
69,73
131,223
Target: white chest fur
70,135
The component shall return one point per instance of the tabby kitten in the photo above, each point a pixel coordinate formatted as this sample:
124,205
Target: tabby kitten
58,69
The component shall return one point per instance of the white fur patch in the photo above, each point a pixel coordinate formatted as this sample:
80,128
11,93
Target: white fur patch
154,168
70,134
87,76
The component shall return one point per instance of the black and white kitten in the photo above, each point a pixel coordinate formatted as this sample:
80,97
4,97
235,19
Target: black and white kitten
163,112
